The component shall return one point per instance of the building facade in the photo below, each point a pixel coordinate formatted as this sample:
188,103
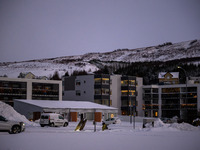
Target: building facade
126,94
19,88
168,78
181,100
93,88
112,90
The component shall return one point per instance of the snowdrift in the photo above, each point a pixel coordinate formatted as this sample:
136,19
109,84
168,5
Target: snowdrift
159,125
10,114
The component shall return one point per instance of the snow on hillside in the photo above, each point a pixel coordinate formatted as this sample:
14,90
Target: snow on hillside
47,67
10,114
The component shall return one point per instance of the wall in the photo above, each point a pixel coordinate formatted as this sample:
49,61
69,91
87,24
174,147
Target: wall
26,109
86,88
116,92
139,95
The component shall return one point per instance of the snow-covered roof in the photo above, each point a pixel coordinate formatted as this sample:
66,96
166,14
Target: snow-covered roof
174,74
80,105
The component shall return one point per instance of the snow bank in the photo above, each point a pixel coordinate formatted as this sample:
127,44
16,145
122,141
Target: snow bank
159,125
10,114
184,126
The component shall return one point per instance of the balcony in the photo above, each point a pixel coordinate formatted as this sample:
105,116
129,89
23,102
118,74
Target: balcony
171,107
188,106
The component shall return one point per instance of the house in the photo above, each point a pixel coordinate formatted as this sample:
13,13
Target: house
168,78
71,110
27,75
22,88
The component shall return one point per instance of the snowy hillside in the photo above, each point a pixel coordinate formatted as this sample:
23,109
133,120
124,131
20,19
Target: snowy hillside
92,61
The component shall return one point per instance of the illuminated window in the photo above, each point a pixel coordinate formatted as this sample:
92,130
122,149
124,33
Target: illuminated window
131,92
124,82
105,80
124,92
105,91
97,80
132,82
111,115
156,114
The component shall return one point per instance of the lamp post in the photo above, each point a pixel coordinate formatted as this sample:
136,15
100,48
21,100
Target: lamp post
185,81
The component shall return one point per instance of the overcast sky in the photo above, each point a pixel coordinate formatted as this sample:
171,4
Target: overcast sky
34,29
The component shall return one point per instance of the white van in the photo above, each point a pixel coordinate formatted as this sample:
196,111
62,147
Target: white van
52,119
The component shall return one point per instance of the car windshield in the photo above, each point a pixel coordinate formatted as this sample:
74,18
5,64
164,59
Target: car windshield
44,117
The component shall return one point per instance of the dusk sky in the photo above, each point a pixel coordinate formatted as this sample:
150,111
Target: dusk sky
34,29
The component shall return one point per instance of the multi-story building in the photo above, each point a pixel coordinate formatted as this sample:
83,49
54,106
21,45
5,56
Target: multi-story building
111,90
19,88
127,94
93,88
181,100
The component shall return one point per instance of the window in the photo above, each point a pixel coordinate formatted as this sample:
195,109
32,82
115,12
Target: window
97,80
124,83
105,102
98,101
105,91
61,117
132,82
97,91
78,82
78,93
105,81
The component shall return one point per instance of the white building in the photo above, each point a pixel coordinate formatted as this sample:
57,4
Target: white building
71,110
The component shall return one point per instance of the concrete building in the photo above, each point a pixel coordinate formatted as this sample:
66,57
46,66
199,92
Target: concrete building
182,100
111,90
125,91
93,88
21,88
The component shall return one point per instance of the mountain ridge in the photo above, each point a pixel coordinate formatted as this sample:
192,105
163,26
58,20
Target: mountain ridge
92,62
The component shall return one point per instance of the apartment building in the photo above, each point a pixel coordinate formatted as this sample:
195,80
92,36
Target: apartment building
112,90
21,88
181,100
127,94
93,88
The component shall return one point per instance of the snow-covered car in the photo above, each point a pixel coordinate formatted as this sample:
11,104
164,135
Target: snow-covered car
12,127
113,120
52,119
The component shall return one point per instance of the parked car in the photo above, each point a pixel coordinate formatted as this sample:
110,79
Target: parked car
169,120
113,120
52,119
196,122
12,127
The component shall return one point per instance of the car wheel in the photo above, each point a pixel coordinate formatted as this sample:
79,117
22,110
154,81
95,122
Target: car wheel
42,125
52,125
15,129
65,124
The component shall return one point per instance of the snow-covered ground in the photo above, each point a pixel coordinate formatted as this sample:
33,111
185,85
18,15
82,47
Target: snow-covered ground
119,136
